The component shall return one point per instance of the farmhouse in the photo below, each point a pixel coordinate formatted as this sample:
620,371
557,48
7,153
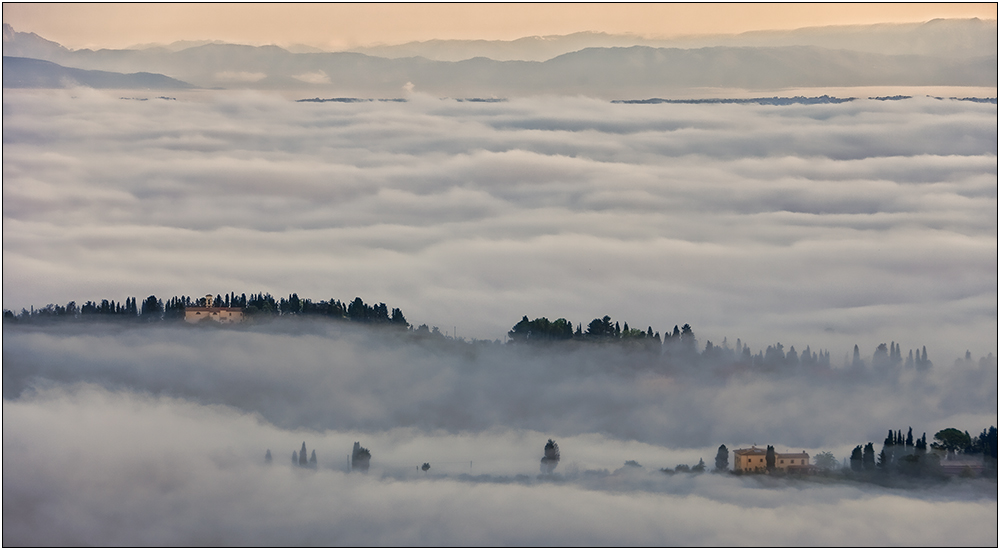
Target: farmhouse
226,315
754,459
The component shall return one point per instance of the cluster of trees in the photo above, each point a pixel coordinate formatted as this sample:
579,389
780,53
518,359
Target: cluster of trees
298,458
361,458
698,468
680,347
677,344
909,456
104,309
887,358
261,305
599,330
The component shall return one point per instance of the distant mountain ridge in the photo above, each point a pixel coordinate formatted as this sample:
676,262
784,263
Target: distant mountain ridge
23,72
939,37
610,72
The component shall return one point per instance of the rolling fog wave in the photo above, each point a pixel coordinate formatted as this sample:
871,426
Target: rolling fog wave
327,375
824,225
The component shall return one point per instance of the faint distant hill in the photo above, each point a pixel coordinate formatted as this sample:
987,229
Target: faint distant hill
22,72
940,37
530,48
609,72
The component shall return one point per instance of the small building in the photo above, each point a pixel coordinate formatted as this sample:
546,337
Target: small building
754,459
225,315
963,465
790,462
749,460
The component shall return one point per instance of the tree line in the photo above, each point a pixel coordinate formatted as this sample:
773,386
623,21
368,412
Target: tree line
678,346
909,456
680,342
154,309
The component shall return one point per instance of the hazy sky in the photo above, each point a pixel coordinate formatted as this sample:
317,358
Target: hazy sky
325,25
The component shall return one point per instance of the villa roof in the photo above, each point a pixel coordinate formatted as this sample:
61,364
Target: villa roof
750,451
757,451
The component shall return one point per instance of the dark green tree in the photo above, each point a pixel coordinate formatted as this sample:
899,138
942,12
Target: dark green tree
357,311
722,459
951,440
857,459
152,309
868,458
769,458
540,330
857,363
825,461
601,328
398,319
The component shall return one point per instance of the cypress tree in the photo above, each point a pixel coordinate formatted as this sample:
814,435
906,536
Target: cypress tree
857,458
722,459
868,458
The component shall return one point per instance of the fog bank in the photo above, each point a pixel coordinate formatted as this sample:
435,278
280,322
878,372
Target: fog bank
334,376
121,468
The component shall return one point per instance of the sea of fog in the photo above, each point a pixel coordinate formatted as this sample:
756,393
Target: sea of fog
828,225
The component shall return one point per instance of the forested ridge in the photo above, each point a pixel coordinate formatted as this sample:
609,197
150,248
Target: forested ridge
260,305
677,346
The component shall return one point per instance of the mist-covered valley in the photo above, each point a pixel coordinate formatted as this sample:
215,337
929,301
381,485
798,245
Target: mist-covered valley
150,435
828,225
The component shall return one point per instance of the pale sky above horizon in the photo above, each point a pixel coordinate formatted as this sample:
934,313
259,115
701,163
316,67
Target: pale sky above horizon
332,26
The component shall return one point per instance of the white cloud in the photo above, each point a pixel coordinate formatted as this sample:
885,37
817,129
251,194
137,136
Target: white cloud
239,76
316,77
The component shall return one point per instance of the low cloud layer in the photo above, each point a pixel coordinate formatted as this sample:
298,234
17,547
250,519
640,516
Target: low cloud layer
821,225
333,376
119,468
